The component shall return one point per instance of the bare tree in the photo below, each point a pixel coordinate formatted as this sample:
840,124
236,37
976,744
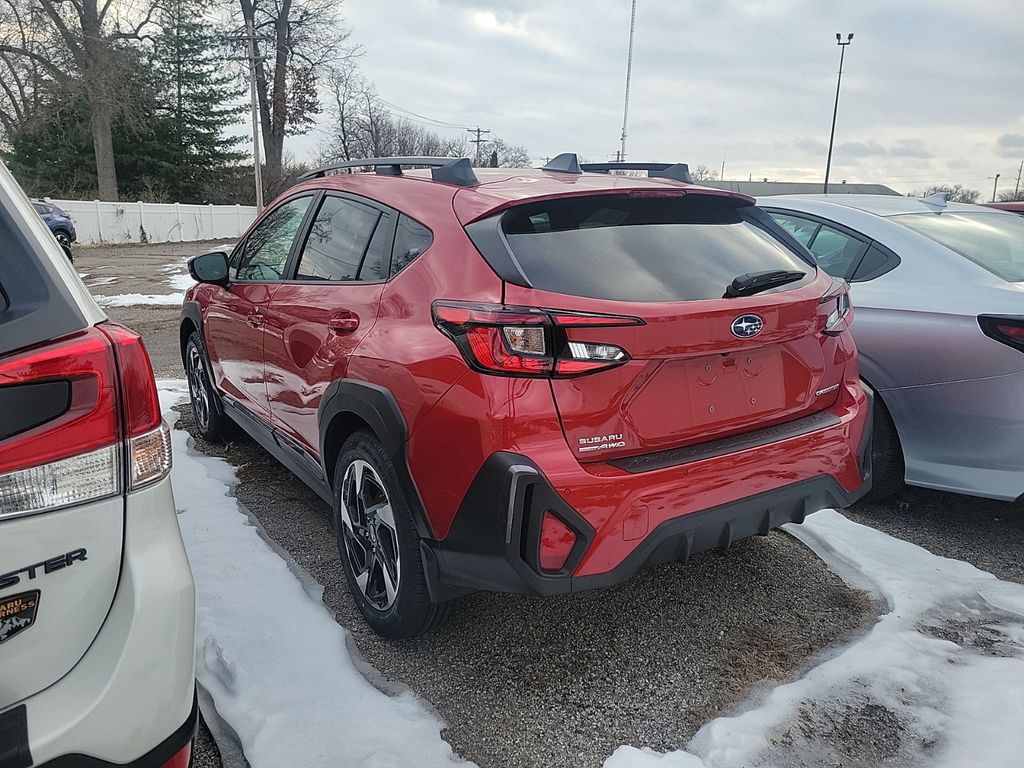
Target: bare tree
955,193
507,155
80,45
294,39
703,173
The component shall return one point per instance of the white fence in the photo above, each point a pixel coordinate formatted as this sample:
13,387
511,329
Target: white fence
99,222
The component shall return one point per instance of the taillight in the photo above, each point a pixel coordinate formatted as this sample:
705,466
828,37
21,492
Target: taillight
556,542
109,437
527,341
181,758
1008,330
836,303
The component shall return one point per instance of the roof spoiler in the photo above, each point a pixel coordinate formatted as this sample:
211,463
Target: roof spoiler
447,170
568,162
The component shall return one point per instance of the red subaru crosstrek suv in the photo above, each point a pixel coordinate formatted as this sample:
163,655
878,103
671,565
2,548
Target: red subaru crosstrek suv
532,381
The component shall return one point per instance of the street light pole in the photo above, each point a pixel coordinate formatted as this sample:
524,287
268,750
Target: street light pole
835,110
995,184
629,75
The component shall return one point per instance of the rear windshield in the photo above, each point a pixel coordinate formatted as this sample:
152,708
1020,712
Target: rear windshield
663,248
994,241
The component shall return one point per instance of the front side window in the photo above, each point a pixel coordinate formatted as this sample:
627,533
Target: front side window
801,229
993,240
264,253
338,241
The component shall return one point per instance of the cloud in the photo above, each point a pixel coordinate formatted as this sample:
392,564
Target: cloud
861,149
1010,144
911,148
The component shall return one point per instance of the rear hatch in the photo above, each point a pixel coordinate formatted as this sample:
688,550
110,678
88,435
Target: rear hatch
693,364
79,417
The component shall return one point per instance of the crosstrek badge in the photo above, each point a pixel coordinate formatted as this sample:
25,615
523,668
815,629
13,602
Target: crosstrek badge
17,613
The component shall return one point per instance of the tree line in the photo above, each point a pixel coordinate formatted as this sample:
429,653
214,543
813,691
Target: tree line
148,99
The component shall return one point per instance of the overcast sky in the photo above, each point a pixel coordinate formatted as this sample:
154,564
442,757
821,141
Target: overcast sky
932,89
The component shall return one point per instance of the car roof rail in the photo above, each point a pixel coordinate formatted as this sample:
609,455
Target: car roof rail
673,171
447,170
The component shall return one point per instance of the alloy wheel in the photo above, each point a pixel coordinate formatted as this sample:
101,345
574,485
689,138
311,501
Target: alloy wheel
370,535
198,388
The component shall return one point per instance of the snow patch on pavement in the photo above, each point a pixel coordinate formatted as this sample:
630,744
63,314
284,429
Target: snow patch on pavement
273,659
937,681
135,299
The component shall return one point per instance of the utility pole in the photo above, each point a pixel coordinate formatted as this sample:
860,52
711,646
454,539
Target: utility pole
835,110
1016,187
995,184
250,40
478,140
629,76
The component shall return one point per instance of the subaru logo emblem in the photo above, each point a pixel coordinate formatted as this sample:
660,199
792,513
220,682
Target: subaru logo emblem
746,326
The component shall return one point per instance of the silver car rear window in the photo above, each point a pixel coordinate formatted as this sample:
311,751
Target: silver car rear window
994,241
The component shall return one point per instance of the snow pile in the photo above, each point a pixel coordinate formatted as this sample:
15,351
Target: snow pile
177,276
271,656
938,681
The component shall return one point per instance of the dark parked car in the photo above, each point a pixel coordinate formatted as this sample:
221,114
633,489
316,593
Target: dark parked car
532,381
59,223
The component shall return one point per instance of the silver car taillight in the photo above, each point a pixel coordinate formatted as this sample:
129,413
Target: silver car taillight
837,300
75,480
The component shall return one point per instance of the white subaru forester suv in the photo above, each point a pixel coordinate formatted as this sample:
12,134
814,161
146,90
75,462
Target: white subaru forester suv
97,606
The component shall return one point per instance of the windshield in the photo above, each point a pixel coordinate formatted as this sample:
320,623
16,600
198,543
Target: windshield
667,248
994,241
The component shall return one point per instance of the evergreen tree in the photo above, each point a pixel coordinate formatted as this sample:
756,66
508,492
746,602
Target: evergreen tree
198,99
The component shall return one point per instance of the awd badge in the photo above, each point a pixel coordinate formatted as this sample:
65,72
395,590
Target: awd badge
17,613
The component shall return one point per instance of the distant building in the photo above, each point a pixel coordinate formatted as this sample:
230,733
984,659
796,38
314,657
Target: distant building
764,188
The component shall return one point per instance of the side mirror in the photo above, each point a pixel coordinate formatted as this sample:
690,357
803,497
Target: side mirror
209,268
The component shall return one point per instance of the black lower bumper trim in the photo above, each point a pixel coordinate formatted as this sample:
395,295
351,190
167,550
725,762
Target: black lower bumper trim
155,758
479,553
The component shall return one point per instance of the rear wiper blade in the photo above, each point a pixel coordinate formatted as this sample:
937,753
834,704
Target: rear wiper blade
754,282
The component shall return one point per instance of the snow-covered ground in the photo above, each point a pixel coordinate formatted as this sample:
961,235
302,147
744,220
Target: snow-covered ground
938,681
269,653
176,278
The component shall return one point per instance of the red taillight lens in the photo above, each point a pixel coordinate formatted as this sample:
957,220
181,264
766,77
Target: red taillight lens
92,419
181,758
556,543
526,341
110,434
1008,330
138,388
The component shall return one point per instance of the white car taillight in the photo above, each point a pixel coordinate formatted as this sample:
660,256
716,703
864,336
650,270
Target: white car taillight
75,480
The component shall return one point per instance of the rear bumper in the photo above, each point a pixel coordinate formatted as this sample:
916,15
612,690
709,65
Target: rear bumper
625,522
130,700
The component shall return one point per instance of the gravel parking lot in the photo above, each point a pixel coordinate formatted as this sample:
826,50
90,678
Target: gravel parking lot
564,681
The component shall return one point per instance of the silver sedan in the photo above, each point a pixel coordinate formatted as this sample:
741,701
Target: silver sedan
938,295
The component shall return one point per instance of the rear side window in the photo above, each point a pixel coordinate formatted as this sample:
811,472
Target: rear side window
642,248
837,253
802,229
411,239
994,241
338,240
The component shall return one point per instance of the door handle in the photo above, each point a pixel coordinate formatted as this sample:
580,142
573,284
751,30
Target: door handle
344,321
255,319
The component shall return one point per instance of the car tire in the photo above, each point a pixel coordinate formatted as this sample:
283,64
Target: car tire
210,420
379,543
887,468
64,240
